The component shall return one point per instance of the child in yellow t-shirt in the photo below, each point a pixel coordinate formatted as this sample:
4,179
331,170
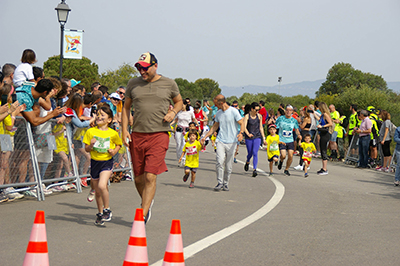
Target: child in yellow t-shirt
192,149
308,148
103,143
192,126
272,147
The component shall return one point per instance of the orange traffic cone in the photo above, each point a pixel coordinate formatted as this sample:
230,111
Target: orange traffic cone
136,252
37,252
174,251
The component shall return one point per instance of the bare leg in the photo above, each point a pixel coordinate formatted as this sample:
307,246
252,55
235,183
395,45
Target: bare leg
146,186
289,160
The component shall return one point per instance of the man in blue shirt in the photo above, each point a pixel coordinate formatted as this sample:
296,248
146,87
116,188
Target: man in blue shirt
286,124
226,119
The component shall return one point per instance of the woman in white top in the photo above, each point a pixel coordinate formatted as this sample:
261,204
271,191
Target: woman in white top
182,120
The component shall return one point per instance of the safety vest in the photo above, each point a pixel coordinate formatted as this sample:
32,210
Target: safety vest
342,129
374,129
353,122
335,115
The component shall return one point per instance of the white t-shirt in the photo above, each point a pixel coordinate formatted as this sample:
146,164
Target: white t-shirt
44,155
22,73
184,118
87,111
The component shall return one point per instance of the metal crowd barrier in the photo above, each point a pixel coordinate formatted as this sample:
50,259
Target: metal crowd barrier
352,151
25,166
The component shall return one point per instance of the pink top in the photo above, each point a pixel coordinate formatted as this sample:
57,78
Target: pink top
365,125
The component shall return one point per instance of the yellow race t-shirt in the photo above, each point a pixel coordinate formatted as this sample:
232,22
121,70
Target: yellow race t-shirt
105,139
192,154
308,149
273,146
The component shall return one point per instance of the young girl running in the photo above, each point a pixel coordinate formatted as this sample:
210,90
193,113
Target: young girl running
103,143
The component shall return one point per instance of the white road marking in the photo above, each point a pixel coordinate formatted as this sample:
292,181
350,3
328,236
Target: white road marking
214,238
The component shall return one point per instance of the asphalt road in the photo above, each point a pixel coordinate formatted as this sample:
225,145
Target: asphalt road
349,217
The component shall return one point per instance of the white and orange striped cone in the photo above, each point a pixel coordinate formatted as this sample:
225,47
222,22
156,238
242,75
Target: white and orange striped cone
136,252
174,251
37,252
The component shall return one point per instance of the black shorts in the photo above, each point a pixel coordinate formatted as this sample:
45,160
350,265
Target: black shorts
96,167
386,148
372,143
288,146
272,158
77,144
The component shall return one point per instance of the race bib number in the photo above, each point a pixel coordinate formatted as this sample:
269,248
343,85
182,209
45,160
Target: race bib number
191,150
287,133
274,146
307,154
101,145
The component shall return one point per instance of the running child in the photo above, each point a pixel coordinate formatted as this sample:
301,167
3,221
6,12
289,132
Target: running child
192,149
272,147
308,148
192,126
103,143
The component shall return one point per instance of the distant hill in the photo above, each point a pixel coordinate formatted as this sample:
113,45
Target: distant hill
304,88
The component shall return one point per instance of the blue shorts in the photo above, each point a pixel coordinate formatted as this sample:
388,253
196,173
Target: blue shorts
288,146
333,136
194,170
96,167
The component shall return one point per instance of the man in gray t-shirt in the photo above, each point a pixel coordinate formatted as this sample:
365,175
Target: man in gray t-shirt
150,95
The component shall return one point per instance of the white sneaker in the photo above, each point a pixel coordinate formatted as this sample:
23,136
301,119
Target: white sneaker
298,168
46,191
11,193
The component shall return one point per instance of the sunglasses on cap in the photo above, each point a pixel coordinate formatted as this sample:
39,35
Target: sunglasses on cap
139,67
120,92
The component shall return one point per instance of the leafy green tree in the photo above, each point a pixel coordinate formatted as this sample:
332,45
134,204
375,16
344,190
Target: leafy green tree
119,77
342,76
209,88
80,69
189,90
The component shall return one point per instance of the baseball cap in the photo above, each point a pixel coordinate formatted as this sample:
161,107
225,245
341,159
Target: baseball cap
69,112
74,82
272,125
146,60
115,95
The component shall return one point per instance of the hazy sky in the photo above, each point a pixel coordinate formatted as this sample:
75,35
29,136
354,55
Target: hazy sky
236,43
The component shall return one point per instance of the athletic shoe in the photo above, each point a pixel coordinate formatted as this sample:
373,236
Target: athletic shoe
396,183
218,187
305,175
107,214
225,188
84,182
296,153
90,196
191,185
46,191
379,168
185,177
276,163
30,193
57,189
323,172
128,177
270,174
99,219
286,172
255,173
148,216
280,165
298,168
71,186
246,166
234,160
386,170
11,193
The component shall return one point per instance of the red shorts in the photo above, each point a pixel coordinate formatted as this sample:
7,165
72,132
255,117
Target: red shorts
148,152
307,160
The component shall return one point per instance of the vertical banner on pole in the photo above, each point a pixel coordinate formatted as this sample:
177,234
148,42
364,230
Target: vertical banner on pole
73,40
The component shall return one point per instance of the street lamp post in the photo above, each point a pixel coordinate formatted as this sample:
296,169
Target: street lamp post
62,14
279,81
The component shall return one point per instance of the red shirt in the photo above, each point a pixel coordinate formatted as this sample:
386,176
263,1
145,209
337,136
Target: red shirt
263,112
199,116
